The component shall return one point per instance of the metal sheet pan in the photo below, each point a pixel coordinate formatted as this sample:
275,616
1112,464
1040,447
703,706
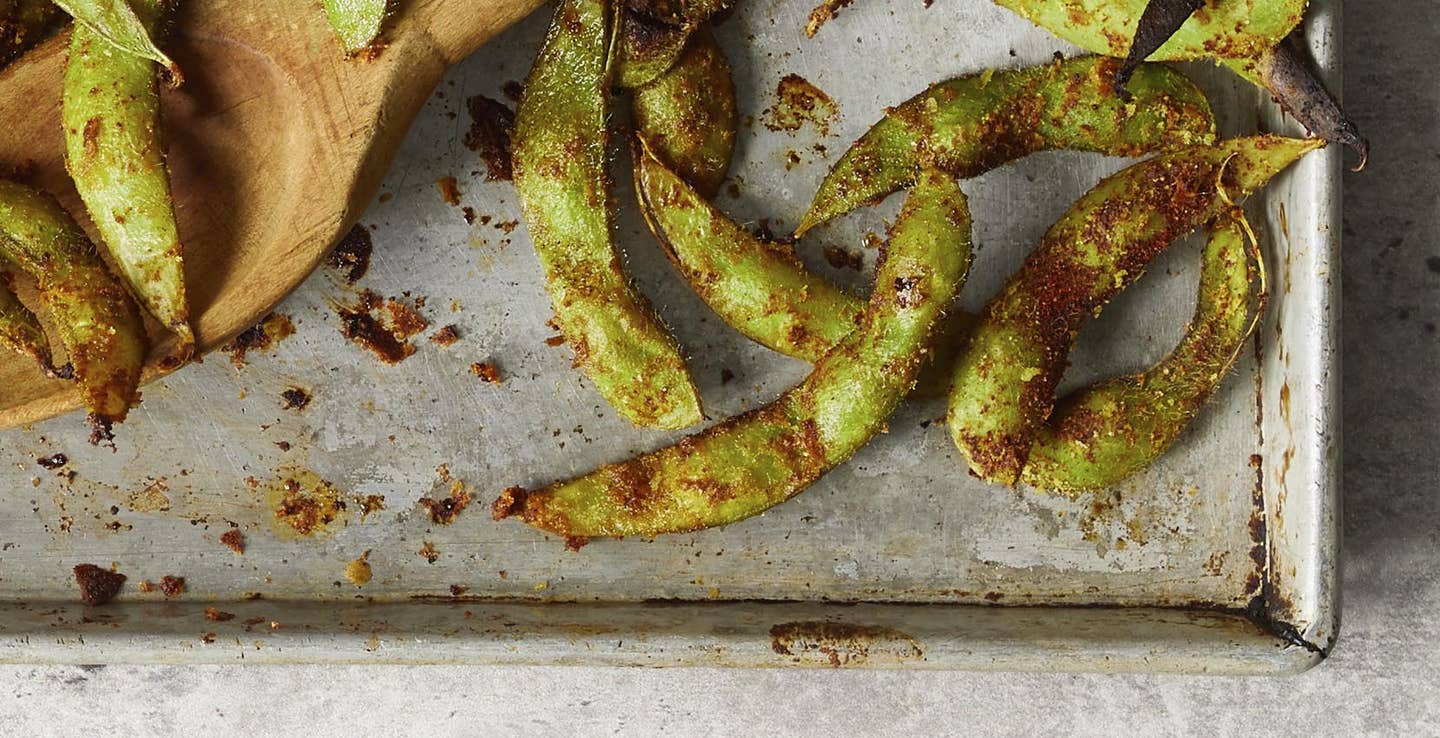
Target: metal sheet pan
1220,559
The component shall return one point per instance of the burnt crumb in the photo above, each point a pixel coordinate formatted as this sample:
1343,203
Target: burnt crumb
369,504
217,615
469,214
351,257
282,445
53,462
798,102
449,190
359,324
294,398
172,586
825,11
726,376
429,552
444,512
271,329
486,371
491,124
843,259
208,638
458,589
234,540
554,341
307,510
97,586
146,586
446,336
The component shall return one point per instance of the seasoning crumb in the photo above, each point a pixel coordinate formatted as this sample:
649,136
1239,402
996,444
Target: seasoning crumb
294,398
234,540
53,462
97,586
458,589
351,257
449,190
208,638
486,371
218,616
146,586
491,124
798,101
358,572
444,512
369,504
446,336
271,329
429,553
504,574
824,12
282,445
172,586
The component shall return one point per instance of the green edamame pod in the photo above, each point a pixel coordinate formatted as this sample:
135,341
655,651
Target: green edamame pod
111,114
356,22
1103,434
648,48
559,155
757,287
96,320
20,330
126,25
972,124
1226,29
1004,383
688,117
757,460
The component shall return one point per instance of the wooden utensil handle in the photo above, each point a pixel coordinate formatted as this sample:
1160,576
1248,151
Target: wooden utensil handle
461,26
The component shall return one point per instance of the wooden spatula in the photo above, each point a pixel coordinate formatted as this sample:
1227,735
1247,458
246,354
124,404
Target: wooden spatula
276,143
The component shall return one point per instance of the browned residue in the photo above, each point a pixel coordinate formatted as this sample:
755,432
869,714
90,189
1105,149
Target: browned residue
822,15
842,644
172,586
294,398
234,540
842,259
359,572
444,511
446,336
429,552
97,586
449,190
351,257
217,615
262,336
150,499
304,505
491,123
53,462
385,333
486,371
797,102
369,504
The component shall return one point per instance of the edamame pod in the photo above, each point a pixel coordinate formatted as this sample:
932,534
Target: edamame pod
559,155
126,25
680,12
356,22
20,330
111,114
1004,383
752,462
96,320
688,116
972,124
1103,434
648,48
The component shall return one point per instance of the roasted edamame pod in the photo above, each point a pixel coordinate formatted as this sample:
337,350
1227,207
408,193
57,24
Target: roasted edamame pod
1100,435
1004,383
111,114
559,155
975,123
679,12
647,49
754,461
127,25
96,320
356,22
688,116
20,330
1255,38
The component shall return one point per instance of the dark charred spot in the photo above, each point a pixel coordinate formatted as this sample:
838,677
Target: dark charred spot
294,398
351,257
510,502
53,462
444,511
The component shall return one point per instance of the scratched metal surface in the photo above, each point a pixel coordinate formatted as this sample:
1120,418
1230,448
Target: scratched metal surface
902,522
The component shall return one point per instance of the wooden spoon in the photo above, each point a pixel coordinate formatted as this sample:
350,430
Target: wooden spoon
276,144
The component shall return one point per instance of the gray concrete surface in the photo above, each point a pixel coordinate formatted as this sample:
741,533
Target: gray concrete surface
1383,678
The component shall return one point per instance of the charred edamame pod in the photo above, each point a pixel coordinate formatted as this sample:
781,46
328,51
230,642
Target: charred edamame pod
127,25
1004,383
1159,21
96,320
647,49
1256,38
356,22
688,115
972,124
752,462
20,330
1103,434
111,114
559,155
679,12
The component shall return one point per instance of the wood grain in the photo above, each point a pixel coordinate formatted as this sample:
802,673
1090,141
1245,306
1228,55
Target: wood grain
276,144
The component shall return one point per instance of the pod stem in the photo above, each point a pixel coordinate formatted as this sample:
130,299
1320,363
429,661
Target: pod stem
1288,74
1160,21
